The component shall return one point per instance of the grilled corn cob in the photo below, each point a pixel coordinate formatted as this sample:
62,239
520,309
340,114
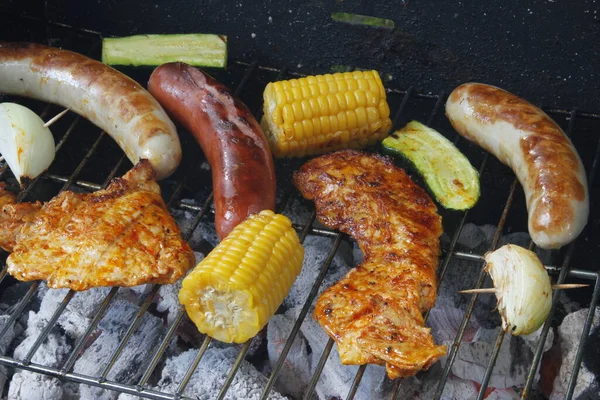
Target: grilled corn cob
322,113
233,292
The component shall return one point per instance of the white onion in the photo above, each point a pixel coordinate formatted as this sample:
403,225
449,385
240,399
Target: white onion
26,145
522,287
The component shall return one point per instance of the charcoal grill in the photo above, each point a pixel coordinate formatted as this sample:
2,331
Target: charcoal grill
87,159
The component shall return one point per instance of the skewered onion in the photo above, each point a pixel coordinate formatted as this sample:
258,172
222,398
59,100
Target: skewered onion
522,288
25,143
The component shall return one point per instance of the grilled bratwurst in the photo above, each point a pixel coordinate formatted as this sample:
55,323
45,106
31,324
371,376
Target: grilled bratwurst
527,140
112,101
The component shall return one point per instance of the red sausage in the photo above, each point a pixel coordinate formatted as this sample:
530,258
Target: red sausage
233,143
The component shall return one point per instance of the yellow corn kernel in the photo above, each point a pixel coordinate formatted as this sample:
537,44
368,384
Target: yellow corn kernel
232,301
341,110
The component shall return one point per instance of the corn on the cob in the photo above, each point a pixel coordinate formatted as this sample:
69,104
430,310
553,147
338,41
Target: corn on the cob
233,292
322,113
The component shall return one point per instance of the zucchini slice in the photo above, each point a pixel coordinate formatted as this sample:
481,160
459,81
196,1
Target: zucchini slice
447,172
201,50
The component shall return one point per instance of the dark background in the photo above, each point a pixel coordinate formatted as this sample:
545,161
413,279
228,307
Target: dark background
544,50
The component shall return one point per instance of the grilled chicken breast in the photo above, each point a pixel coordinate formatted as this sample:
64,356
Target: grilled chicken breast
13,216
375,312
120,236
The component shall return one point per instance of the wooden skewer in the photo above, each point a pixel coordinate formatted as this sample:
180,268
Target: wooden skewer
554,287
56,118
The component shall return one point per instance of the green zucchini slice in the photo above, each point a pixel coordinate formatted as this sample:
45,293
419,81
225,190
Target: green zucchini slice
197,49
447,172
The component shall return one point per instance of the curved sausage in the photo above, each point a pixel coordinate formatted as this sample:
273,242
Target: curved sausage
109,99
527,140
236,148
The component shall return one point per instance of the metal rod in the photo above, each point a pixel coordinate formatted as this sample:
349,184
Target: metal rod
490,367
582,342
44,334
438,103
311,296
3,273
161,349
400,109
234,369
136,323
93,324
87,380
471,306
315,378
83,162
356,382
194,365
20,307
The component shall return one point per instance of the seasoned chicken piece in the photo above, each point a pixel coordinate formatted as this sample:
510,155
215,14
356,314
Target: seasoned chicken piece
13,216
375,312
120,236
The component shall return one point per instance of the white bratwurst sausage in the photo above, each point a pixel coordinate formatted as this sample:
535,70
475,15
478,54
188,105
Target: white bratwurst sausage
112,101
527,140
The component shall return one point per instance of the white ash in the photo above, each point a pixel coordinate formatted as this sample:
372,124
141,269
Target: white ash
294,375
4,344
298,210
27,385
316,250
569,334
128,366
207,380
51,353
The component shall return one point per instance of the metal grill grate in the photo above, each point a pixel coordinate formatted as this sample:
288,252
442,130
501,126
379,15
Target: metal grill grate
407,105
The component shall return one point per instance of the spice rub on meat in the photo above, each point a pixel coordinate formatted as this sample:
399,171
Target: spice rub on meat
119,236
375,312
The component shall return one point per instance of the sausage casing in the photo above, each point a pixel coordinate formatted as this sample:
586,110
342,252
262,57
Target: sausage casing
109,99
236,148
543,158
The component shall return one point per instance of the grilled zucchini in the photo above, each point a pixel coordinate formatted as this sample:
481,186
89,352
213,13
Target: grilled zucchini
447,172
202,50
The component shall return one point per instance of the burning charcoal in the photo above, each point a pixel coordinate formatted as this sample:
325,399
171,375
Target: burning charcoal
336,380
298,211
473,237
511,366
316,249
456,388
129,366
445,320
569,334
4,343
80,311
26,385
207,380
294,375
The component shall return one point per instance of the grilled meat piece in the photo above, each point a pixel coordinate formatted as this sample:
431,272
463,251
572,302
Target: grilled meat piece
120,236
13,216
375,312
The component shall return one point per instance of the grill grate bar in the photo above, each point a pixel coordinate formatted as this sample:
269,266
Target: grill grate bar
319,369
193,366
303,312
136,323
85,379
471,306
3,273
356,382
234,369
20,307
582,342
490,367
82,340
44,334
162,348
